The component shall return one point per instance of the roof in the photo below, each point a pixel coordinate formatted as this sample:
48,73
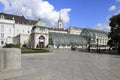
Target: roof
93,32
56,29
18,19
67,39
40,24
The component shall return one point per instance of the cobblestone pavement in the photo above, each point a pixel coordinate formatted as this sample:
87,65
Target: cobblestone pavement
72,65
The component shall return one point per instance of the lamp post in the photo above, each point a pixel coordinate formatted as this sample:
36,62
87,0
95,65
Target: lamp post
97,44
54,44
89,41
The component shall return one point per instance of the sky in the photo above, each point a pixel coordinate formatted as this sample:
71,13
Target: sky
79,13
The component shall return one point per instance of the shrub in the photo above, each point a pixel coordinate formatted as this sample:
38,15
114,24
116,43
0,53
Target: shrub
12,46
24,50
24,46
63,45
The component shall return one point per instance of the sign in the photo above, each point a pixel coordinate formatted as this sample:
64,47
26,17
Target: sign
41,38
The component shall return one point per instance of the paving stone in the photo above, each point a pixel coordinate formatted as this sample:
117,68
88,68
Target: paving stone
72,65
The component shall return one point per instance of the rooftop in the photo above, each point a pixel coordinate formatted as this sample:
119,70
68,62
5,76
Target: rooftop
18,19
40,24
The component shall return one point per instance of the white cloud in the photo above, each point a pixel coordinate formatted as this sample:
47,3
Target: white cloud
104,27
112,8
117,0
35,9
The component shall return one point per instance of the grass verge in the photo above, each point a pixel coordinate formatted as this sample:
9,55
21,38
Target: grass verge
27,51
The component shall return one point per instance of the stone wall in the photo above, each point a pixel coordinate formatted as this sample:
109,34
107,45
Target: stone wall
10,58
10,65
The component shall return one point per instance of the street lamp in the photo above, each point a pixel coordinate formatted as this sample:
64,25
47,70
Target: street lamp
89,41
97,44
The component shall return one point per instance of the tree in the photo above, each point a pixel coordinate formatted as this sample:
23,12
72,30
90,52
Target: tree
114,34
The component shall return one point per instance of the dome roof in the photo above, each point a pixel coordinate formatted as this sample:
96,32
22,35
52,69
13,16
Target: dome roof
40,24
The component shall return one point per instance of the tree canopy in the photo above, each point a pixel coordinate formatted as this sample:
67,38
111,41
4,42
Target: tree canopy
114,33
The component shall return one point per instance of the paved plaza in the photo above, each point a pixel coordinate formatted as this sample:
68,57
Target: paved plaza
72,65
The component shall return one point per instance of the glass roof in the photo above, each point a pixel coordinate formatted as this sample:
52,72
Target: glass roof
93,33
66,39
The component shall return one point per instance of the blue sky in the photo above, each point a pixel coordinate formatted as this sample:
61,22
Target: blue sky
86,13
79,13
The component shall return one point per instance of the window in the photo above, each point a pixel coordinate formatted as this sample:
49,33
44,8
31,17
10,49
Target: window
103,41
28,31
2,28
17,31
13,18
9,30
60,25
2,35
23,31
2,17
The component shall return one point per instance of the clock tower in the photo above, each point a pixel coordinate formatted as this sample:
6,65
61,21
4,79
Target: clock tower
60,21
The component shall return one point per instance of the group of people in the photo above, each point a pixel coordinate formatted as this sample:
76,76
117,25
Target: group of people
73,47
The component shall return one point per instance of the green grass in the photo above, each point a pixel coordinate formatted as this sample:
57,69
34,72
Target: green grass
24,51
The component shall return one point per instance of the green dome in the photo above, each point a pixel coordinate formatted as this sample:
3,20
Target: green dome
40,24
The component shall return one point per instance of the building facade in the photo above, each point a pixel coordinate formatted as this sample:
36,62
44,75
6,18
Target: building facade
12,26
34,34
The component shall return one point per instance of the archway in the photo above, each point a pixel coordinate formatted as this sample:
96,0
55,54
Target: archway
41,41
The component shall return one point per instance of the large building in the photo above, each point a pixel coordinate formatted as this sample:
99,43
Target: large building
34,34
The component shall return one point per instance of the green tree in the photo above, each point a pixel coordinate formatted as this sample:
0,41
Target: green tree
114,34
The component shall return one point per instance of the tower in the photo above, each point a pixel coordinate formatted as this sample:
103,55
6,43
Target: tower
60,21
39,35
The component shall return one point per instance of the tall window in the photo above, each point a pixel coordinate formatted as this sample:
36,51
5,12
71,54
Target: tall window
9,30
2,28
17,31
2,35
23,31
60,25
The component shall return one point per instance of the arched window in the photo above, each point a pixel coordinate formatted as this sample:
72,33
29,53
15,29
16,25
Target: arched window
2,17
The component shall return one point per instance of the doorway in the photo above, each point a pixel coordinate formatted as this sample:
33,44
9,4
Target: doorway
41,41
41,45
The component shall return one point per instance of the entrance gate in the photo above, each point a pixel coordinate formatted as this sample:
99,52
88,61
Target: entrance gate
42,41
